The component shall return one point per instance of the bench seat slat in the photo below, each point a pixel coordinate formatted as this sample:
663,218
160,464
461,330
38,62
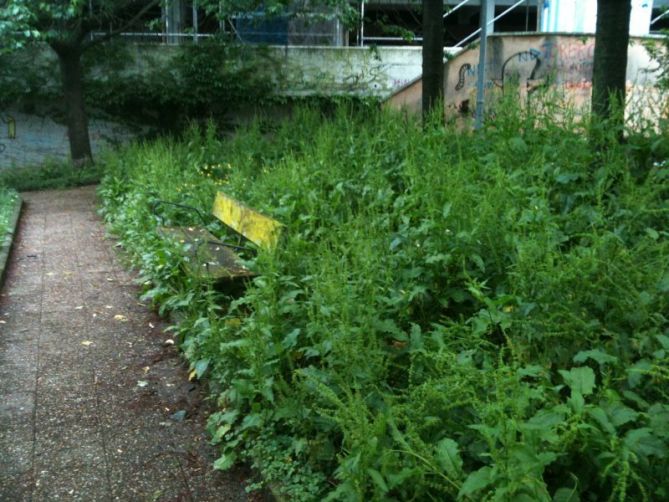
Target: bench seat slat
262,230
208,259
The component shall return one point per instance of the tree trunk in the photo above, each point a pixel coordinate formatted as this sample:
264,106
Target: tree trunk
433,54
610,63
69,58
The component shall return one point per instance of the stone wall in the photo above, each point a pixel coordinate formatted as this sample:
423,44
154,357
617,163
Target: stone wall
30,140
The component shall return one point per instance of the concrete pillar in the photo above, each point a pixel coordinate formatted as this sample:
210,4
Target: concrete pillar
490,14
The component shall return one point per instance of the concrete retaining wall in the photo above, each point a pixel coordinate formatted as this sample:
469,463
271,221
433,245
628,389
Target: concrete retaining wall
30,140
526,63
522,63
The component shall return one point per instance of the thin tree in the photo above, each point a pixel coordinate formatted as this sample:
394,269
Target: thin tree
610,61
433,55
66,27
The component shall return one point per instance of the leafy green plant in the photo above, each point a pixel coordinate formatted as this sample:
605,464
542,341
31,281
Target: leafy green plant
449,315
50,175
7,201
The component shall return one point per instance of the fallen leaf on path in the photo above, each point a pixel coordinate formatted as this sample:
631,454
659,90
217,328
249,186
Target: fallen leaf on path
78,307
151,325
108,307
120,317
86,343
168,342
146,369
142,383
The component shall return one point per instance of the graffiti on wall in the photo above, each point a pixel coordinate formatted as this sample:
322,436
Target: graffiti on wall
523,71
527,63
463,72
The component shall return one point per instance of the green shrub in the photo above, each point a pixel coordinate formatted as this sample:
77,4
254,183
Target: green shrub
50,175
449,315
7,201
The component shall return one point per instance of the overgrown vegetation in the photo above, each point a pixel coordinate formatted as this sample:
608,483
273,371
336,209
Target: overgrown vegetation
49,175
449,315
7,202
163,89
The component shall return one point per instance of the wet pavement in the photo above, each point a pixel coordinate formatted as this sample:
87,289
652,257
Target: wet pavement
95,403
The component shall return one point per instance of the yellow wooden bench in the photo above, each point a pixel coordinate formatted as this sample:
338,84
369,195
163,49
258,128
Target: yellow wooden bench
209,257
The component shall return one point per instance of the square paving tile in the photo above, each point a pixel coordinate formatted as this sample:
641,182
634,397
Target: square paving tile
57,408
16,486
16,408
78,482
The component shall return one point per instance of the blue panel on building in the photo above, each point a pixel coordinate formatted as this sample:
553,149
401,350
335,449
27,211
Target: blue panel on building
257,29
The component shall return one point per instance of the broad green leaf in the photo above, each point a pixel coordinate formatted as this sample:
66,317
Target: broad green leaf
577,402
448,457
201,367
644,443
476,481
220,432
251,420
600,416
546,419
378,480
446,210
234,344
290,340
659,420
226,461
581,380
566,495
652,233
663,285
533,370
664,341
598,356
621,414
637,371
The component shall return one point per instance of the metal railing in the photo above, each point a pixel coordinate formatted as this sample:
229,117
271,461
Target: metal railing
321,38
664,14
361,30
362,38
451,11
158,37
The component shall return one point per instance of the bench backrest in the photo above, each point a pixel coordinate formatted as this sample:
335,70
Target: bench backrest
258,228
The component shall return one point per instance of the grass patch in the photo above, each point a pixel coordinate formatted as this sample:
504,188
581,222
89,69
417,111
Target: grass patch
48,176
7,201
449,315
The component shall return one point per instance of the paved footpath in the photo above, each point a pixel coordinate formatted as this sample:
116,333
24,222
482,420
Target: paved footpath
92,399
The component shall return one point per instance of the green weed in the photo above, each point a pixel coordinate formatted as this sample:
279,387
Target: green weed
449,315
50,175
7,200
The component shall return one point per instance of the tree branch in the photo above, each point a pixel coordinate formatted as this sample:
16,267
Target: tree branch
124,27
